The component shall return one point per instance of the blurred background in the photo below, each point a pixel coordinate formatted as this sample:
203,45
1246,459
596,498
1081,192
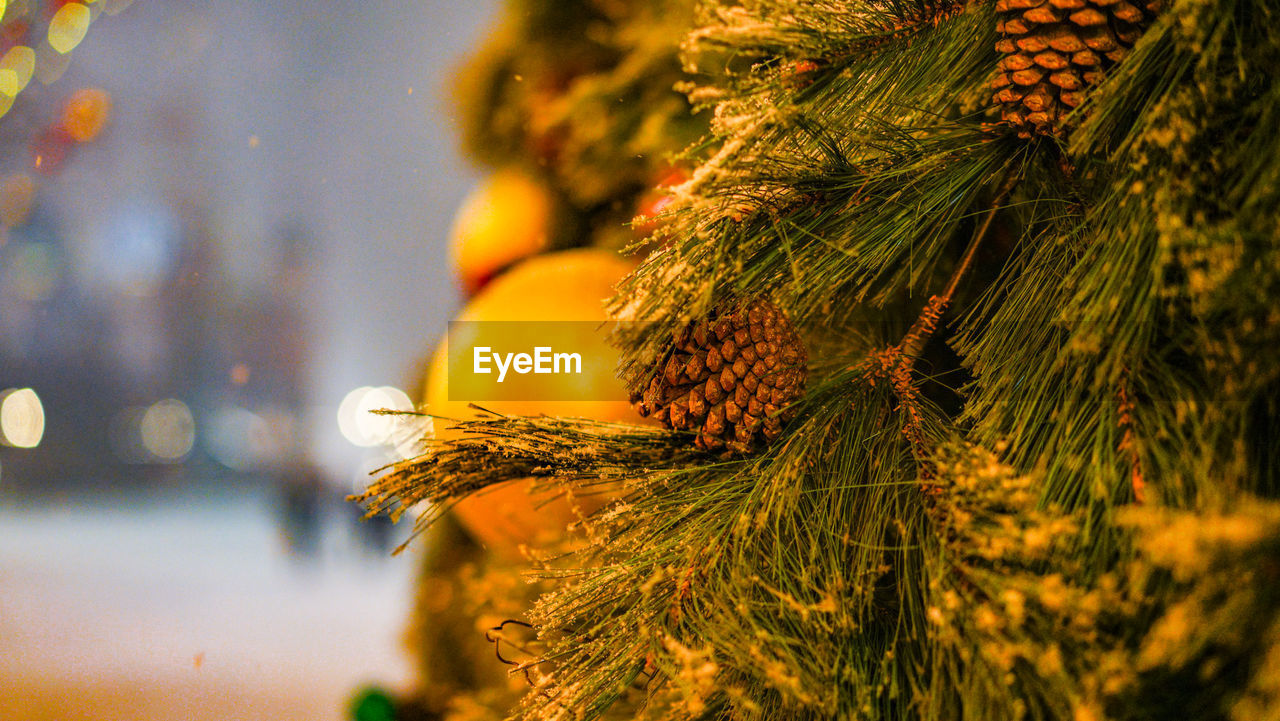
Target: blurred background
222,239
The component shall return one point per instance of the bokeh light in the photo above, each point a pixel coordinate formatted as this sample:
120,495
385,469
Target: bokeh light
168,430
86,113
49,149
112,7
21,418
240,373
246,441
68,27
360,425
124,436
16,68
409,434
136,251
17,195
50,64
237,438
33,272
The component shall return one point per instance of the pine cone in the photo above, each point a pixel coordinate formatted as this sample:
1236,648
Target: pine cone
731,377
1055,49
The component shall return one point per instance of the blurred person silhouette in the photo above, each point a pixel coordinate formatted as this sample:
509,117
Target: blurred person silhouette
374,532
300,502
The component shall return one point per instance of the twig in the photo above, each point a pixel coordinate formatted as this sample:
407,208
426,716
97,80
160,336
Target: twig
1128,443
927,322
896,362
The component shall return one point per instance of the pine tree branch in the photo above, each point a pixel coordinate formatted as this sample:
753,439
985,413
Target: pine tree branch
905,28
896,363
925,325
497,449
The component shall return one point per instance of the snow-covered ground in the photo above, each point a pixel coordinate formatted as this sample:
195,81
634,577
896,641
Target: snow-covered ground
188,606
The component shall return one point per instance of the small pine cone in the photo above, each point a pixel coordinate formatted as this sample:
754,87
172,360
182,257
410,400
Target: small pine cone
1054,49
731,378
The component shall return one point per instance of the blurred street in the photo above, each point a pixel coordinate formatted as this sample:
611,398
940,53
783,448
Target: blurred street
187,605
222,241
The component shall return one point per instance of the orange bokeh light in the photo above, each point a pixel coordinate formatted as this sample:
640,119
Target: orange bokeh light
86,113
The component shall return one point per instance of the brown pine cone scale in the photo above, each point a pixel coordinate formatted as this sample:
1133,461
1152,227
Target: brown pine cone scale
731,378
1053,50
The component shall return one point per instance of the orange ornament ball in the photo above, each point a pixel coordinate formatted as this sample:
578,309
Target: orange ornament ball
569,285
507,217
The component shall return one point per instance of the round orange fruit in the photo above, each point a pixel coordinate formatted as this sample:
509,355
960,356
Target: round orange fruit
568,285
506,217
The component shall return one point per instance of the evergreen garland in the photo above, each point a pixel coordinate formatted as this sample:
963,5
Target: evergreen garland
1026,477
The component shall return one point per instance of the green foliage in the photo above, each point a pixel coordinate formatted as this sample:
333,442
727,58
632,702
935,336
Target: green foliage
581,92
1023,480
1187,628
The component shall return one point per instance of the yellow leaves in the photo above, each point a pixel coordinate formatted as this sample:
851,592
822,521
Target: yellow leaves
1258,702
1053,593
781,677
1167,637
1000,655
951,600
1015,605
1088,712
696,673
986,620
991,510
1188,544
1049,661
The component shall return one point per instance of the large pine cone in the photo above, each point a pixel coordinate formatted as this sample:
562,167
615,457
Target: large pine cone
731,378
1054,50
